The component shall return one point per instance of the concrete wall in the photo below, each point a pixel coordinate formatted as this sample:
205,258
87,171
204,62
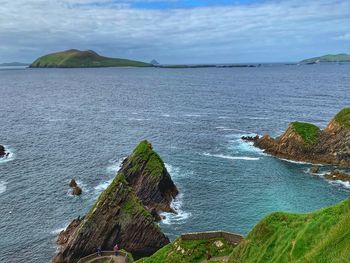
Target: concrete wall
230,237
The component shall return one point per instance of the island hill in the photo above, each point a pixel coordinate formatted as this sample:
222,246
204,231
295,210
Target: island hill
127,211
307,142
74,58
328,58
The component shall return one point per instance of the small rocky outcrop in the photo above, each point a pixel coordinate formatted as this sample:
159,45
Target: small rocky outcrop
338,175
76,190
120,216
314,169
306,142
2,151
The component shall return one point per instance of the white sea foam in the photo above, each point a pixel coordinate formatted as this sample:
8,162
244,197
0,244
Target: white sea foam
258,118
59,230
246,158
166,115
180,216
297,162
192,115
10,157
340,183
3,187
139,119
111,169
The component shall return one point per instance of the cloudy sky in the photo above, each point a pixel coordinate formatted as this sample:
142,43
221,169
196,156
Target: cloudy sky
176,31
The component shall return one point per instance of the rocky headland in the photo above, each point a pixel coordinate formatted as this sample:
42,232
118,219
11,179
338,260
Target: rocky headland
308,143
122,213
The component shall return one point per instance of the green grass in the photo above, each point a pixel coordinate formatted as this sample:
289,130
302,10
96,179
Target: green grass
194,251
307,131
329,58
83,59
343,118
322,236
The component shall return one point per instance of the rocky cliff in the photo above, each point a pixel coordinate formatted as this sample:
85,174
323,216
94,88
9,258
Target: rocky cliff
306,142
119,216
2,151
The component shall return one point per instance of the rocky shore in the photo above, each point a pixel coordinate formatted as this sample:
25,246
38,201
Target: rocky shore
122,213
308,143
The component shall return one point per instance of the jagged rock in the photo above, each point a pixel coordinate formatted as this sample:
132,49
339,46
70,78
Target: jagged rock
314,169
2,151
306,142
64,235
151,182
73,183
119,216
338,175
76,190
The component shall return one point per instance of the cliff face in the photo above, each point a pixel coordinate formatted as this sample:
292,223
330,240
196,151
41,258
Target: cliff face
2,151
119,215
306,142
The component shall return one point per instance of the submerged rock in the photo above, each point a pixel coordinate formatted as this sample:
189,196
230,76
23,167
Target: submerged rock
306,142
338,175
314,169
119,216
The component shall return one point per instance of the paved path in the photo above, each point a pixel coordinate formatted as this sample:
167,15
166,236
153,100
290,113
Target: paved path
107,256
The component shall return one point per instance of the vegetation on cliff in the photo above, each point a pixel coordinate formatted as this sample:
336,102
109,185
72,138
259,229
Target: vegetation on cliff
184,251
343,118
322,236
82,59
329,58
307,131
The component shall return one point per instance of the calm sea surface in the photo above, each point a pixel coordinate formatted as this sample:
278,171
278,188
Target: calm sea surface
65,123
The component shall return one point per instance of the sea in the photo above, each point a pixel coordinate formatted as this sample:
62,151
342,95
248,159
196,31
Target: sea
59,124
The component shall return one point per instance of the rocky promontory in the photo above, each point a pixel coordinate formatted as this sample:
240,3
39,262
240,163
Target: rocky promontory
120,215
307,142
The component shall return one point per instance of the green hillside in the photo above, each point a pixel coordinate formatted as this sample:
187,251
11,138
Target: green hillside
322,236
82,59
329,58
307,131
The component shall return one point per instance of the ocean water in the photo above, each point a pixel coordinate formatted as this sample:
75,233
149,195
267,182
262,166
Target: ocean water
60,124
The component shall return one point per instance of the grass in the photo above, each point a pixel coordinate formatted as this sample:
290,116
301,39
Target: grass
183,251
307,131
83,59
343,118
329,58
322,236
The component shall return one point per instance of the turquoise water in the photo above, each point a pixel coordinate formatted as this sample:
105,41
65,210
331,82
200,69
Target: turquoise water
65,123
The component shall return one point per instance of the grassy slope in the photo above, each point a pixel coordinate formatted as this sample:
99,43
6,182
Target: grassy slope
308,132
77,59
329,58
184,251
343,118
322,236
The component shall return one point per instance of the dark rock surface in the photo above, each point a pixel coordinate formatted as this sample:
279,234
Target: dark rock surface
314,169
2,151
338,175
119,216
332,145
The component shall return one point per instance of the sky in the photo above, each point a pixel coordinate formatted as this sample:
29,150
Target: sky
176,31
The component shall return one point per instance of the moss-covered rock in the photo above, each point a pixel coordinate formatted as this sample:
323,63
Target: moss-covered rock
343,118
308,132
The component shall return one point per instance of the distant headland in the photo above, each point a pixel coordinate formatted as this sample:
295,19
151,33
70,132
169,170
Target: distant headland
74,58
328,58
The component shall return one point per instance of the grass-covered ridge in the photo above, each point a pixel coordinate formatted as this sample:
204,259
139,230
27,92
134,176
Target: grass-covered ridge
322,236
194,251
329,58
83,59
307,131
144,154
343,118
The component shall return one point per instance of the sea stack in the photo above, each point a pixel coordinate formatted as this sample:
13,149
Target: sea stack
120,216
307,142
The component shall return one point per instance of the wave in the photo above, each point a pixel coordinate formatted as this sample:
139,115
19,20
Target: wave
139,119
112,169
340,183
258,118
246,158
166,115
3,187
192,115
297,162
10,157
180,216
59,230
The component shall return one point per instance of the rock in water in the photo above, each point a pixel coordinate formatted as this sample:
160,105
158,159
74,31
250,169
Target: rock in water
306,142
314,169
2,151
338,175
151,181
73,183
119,216
76,190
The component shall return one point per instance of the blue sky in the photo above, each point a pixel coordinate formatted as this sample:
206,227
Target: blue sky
176,31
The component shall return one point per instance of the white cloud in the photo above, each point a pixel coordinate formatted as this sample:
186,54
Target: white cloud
343,37
29,28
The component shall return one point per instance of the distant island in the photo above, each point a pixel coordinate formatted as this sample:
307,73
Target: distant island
328,58
14,64
74,58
